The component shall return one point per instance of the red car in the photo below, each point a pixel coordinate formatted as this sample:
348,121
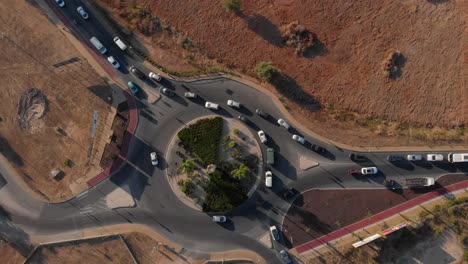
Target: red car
354,172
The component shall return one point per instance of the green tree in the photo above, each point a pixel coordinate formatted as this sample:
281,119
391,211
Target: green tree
266,71
232,5
187,166
240,172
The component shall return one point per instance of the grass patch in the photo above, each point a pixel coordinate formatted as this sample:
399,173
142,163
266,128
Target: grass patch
203,139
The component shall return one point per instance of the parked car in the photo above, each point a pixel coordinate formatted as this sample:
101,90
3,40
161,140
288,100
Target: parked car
155,76
262,136
190,95
393,158
168,92
60,3
285,256
268,179
289,193
317,148
414,157
82,12
435,157
274,233
261,113
120,43
154,158
113,61
357,158
369,170
219,218
133,87
283,123
242,118
233,104
136,72
298,139
211,105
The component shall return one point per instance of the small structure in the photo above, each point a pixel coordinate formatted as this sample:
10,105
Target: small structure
56,174
210,168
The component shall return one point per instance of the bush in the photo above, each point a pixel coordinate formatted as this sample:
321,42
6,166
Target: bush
195,200
266,71
203,139
232,144
223,193
232,5
297,36
67,163
236,131
187,187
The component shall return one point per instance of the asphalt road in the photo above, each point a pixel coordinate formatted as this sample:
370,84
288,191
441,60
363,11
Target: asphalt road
156,205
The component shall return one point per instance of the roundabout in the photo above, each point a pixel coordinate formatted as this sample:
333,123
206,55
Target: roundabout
236,163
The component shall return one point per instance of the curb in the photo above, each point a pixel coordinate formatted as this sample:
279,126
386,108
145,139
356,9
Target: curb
379,217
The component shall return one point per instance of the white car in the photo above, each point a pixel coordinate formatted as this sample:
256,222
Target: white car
274,233
262,136
268,179
233,104
113,61
414,157
154,158
60,3
435,157
190,95
82,12
155,76
283,123
369,170
298,139
219,218
120,43
211,105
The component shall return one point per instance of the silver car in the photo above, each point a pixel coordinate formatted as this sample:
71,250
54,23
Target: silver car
82,12
283,123
414,157
298,139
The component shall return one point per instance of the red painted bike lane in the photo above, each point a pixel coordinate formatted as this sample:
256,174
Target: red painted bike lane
379,216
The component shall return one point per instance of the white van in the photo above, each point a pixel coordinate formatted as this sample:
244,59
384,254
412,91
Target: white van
98,45
120,43
457,157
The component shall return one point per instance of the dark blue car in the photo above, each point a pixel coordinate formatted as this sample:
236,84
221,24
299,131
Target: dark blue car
133,87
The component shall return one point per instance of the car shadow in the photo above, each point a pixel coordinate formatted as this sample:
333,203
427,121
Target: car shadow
176,98
222,111
244,110
284,166
423,164
445,166
403,164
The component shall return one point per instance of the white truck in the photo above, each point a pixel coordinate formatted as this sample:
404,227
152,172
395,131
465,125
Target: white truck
457,157
98,45
420,182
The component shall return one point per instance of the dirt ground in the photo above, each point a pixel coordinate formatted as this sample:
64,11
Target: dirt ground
49,95
9,254
100,250
343,72
147,250
443,249
318,212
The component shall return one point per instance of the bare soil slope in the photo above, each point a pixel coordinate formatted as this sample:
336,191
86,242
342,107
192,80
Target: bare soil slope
49,94
344,69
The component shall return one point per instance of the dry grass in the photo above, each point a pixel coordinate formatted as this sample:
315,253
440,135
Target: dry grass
35,54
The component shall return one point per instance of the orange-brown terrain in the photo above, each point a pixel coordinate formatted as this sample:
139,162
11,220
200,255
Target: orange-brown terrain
344,71
49,96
